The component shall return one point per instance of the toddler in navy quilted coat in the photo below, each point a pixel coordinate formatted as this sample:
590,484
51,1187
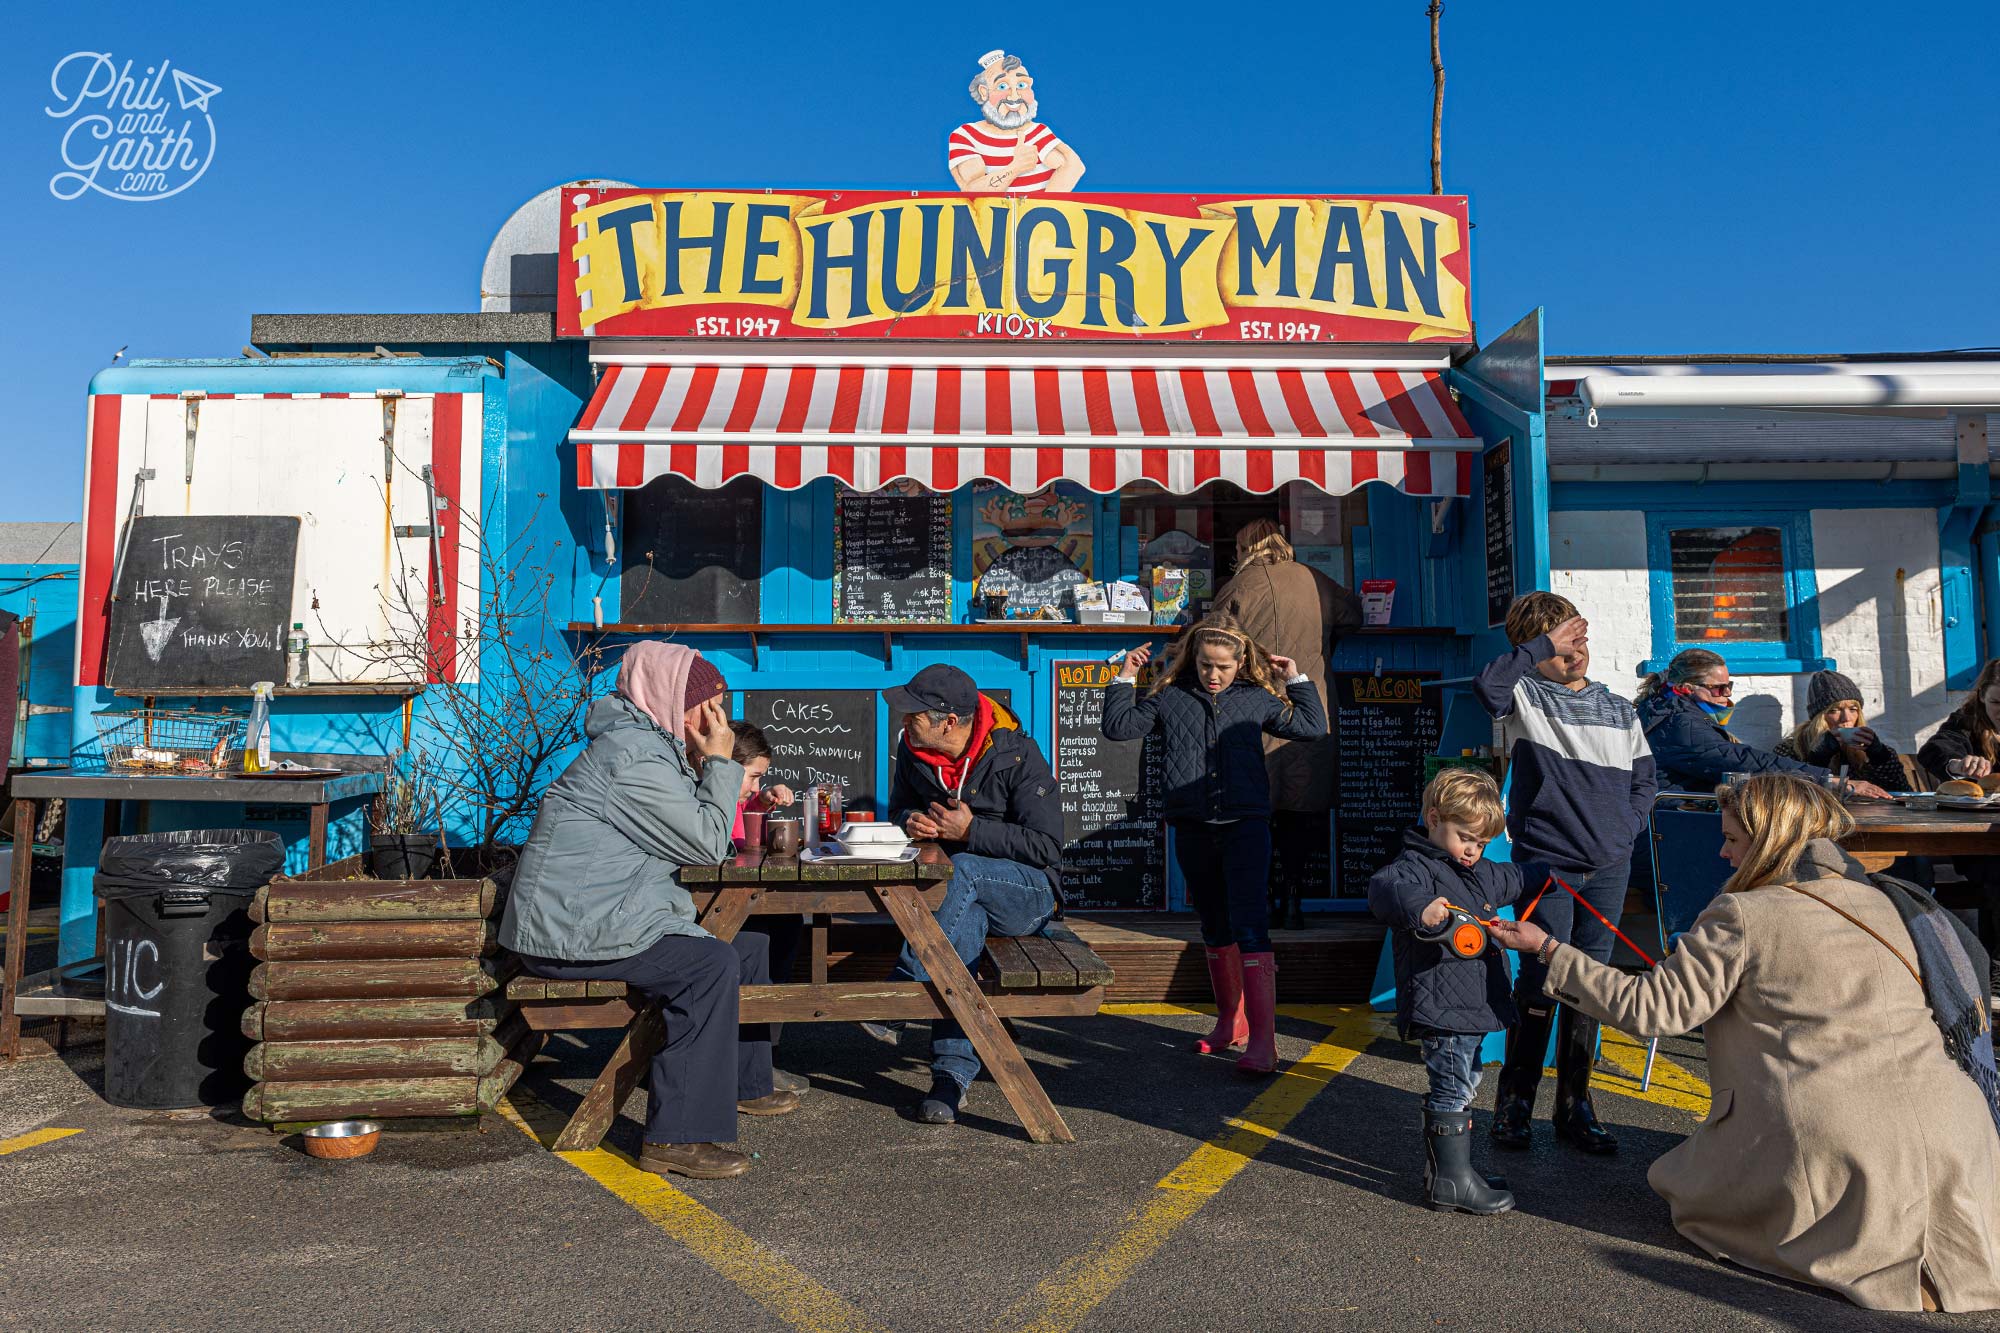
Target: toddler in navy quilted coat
1211,708
1448,1000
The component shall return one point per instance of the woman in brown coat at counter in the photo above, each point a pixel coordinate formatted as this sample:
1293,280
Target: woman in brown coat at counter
1843,1146
1294,611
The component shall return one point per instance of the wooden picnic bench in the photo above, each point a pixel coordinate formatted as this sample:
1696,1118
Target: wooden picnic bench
1051,975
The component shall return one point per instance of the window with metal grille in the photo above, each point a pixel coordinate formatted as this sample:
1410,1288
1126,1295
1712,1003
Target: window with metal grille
1728,584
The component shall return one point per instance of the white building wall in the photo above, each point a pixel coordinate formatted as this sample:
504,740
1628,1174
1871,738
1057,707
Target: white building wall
1879,605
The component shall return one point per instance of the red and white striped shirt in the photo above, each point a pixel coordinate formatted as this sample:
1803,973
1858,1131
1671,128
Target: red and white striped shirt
993,148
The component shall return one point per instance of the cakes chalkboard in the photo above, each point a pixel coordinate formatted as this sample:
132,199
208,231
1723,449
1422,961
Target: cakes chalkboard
892,557
820,736
1114,852
1383,728
202,600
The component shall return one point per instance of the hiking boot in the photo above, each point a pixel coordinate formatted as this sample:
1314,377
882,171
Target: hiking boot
697,1161
783,1082
776,1103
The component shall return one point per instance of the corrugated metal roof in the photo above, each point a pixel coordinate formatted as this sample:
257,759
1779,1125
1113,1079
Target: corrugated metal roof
41,543
1749,437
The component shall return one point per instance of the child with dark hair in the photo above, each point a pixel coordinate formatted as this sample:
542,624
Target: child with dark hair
753,751
1582,785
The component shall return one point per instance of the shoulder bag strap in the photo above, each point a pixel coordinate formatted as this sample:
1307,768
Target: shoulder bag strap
1907,964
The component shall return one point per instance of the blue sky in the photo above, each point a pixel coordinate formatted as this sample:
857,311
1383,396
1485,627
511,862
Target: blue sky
1738,177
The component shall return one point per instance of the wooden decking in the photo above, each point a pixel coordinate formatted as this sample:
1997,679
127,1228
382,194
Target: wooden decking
1157,957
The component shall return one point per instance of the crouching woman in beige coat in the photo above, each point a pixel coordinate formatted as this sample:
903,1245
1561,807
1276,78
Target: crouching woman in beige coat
1843,1146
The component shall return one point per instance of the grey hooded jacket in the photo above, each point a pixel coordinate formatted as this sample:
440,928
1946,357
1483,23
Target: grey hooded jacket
596,879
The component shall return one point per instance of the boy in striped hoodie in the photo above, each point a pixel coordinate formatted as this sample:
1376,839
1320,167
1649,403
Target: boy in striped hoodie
1581,790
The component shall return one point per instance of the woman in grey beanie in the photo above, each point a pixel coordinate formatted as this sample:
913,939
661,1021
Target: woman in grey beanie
1835,735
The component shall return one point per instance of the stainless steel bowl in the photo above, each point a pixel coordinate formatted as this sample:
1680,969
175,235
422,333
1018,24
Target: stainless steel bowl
344,1129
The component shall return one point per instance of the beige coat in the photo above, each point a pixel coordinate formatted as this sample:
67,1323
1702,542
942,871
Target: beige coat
1843,1146
1295,611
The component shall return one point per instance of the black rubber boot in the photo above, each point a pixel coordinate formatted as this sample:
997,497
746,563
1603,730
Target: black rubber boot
1450,1183
1521,1075
1576,1118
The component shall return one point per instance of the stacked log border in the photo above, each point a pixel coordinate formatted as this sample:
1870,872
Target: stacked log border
382,999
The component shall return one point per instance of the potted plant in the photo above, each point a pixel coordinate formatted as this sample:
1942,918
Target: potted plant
404,843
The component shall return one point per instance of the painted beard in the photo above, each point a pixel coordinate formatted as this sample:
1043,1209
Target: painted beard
1010,115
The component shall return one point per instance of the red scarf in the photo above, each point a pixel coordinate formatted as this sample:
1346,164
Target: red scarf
952,772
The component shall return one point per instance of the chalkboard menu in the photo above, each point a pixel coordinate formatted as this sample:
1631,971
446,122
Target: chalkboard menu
1114,854
820,736
892,557
1498,467
202,600
692,556
1383,728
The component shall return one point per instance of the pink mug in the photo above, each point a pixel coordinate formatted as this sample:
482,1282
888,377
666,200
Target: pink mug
753,830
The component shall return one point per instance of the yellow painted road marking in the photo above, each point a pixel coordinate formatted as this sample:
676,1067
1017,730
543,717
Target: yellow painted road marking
1672,1085
1063,1300
769,1280
34,1139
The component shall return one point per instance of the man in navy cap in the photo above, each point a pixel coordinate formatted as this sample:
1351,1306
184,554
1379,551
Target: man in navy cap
969,778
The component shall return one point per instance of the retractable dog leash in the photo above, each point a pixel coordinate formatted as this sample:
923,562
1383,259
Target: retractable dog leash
1557,880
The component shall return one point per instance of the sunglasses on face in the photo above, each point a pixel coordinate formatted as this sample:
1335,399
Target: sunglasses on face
1725,689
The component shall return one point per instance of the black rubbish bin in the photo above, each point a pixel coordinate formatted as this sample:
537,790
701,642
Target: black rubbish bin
177,963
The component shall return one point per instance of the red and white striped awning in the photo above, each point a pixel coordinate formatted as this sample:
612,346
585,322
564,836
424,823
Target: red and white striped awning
1102,427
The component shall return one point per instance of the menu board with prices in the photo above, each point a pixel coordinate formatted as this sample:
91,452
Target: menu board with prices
1384,726
892,557
1497,470
1114,849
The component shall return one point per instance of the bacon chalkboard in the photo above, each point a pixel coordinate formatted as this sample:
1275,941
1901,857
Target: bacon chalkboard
1114,855
892,558
1497,472
202,600
1383,728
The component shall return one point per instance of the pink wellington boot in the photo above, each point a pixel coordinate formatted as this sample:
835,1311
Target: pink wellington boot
1260,1004
1225,978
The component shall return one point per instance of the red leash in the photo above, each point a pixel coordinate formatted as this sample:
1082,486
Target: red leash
1554,879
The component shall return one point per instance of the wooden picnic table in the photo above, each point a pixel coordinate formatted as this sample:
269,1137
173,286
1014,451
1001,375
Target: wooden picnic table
1033,977
1884,831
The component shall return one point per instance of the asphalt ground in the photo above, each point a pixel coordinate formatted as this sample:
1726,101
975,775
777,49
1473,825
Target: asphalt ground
1193,1200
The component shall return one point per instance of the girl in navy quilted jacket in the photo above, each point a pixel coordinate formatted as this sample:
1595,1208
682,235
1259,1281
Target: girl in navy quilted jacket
1219,696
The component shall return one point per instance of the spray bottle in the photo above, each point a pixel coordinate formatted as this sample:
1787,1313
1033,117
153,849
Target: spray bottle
257,745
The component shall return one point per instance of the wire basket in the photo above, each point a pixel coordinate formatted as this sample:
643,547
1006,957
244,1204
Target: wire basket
168,740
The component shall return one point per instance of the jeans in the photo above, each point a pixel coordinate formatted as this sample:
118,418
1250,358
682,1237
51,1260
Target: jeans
1226,868
691,1090
1559,915
1452,1061
988,896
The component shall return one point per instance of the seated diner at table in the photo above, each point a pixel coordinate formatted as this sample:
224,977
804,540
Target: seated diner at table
969,778
1966,748
595,898
1851,1141
1836,736
1685,713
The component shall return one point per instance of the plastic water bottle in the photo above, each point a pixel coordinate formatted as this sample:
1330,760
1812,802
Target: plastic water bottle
298,658
812,817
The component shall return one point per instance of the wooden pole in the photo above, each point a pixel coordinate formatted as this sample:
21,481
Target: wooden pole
1437,101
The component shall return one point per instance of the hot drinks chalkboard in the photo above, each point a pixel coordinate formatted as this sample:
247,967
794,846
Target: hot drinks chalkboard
1114,854
820,736
1497,471
1383,727
892,557
203,600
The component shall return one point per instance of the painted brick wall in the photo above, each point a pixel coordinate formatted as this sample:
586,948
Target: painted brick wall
1879,614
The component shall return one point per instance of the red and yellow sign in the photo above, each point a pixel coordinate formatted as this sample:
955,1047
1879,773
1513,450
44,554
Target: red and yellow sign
809,264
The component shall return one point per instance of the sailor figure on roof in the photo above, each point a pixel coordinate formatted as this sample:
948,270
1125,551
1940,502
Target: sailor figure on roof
1007,151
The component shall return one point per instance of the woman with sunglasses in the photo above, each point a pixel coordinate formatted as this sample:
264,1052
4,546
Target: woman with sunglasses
1685,712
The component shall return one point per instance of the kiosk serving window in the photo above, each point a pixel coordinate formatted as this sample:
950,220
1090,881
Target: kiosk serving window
692,556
